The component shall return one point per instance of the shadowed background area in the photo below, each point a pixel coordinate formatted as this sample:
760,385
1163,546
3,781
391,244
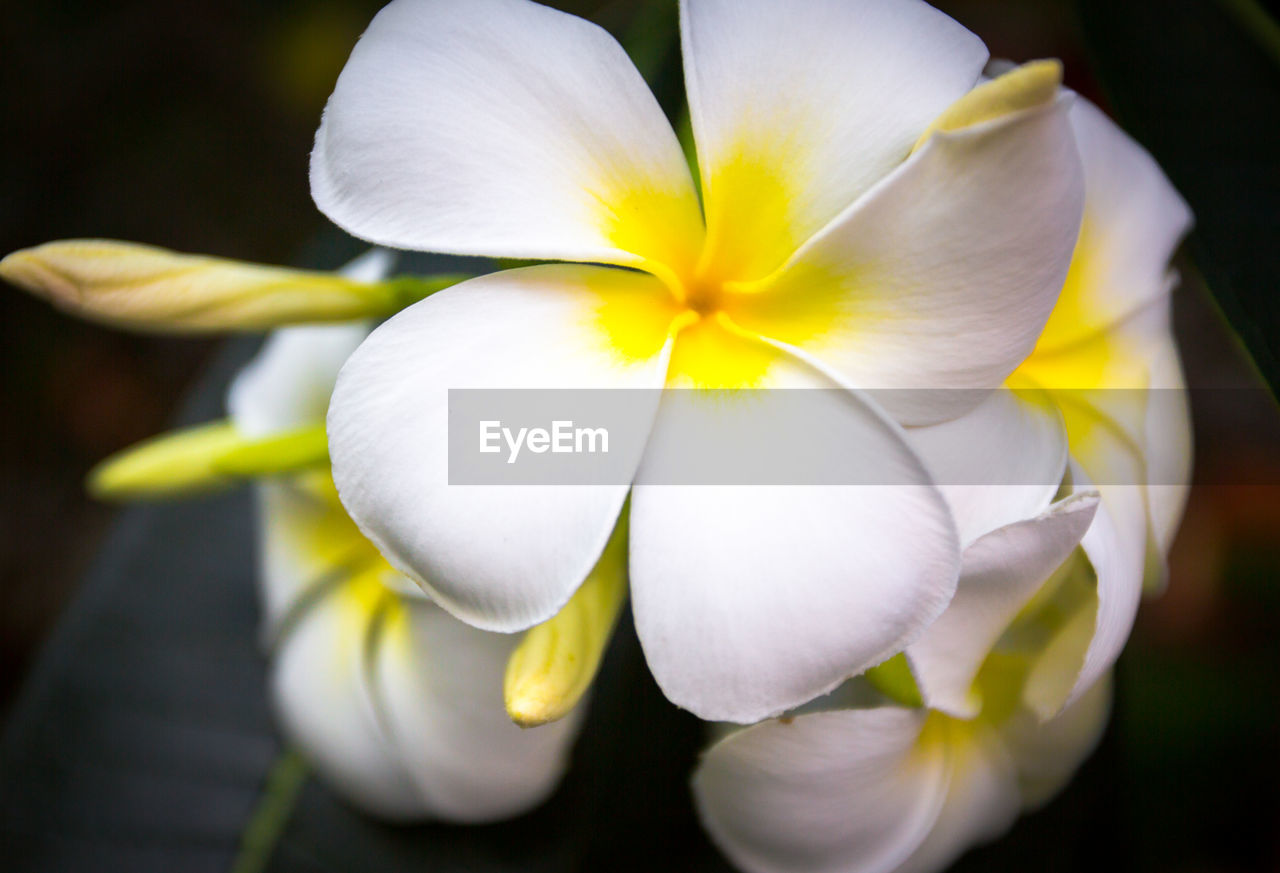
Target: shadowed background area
188,126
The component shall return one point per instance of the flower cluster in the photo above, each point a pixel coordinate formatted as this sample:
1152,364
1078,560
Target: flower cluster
969,260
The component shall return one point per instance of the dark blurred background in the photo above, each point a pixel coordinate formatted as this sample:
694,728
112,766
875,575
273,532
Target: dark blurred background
188,126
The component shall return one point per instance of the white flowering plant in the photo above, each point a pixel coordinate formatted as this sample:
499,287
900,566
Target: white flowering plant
970,261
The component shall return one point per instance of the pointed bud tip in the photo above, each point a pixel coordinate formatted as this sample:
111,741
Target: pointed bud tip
25,269
1024,87
531,705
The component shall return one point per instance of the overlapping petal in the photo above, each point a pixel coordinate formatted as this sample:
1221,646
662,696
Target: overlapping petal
288,384
1117,561
942,276
799,108
1048,754
875,790
399,705
1101,602
1000,463
307,540
320,686
440,685
752,600
1002,571
824,793
1133,222
1168,445
307,545
1107,352
982,800
504,128
500,557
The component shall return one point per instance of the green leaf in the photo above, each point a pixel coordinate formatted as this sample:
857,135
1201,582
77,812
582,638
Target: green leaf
1198,83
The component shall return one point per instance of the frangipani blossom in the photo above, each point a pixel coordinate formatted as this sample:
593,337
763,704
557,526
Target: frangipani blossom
1107,354
885,789
849,784
398,705
872,221
395,702
1103,386
1014,674
1108,361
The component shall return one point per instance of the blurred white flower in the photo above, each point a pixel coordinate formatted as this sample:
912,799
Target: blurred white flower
875,789
851,784
872,221
397,704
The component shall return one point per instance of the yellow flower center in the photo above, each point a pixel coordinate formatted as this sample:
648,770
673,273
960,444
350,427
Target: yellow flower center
702,296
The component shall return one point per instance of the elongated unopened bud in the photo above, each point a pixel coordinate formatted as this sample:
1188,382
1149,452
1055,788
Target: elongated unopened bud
204,459
556,661
1032,84
147,288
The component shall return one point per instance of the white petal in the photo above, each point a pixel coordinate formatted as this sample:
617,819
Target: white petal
1002,571
501,127
1000,463
288,383
942,276
829,792
1049,753
499,557
1133,222
321,692
1091,640
799,108
1165,432
440,685
1168,444
982,802
750,600
307,543
1118,562
1126,407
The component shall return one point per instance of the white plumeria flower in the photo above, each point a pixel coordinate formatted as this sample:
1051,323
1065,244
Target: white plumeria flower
1109,362
1107,354
849,785
1014,674
872,221
396,703
1103,386
884,788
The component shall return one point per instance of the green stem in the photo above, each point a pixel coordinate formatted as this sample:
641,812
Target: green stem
275,807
